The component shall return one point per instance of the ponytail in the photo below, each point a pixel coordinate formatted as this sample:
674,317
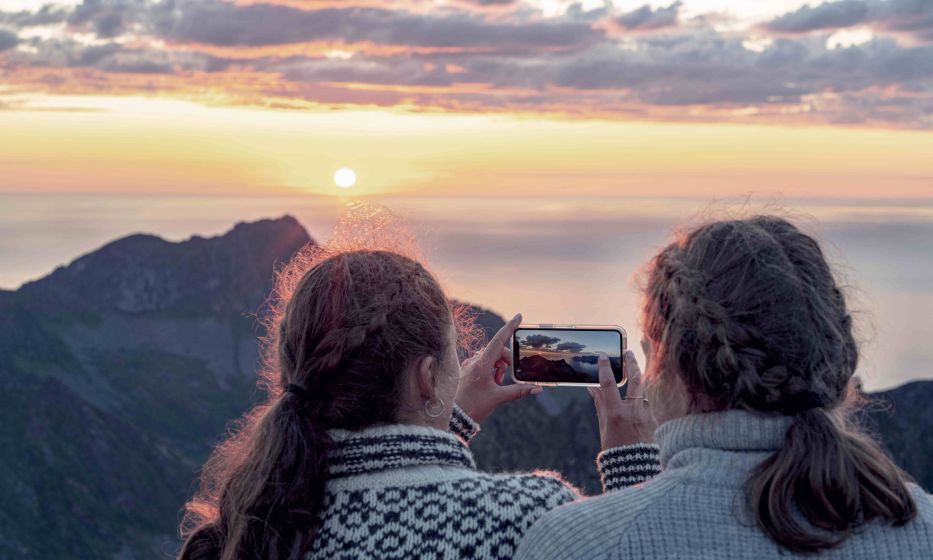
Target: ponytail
204,543
271,500
836,476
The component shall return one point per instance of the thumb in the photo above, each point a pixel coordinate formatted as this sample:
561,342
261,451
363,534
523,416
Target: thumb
516,391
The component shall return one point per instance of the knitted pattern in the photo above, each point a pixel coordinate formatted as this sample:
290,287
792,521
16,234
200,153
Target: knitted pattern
402,491
697,507
621,467
367,454
462,425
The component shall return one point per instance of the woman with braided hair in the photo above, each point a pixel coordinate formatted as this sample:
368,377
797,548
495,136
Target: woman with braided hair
750,357
359,451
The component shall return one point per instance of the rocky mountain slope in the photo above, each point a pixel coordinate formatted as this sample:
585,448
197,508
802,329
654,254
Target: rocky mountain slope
118,373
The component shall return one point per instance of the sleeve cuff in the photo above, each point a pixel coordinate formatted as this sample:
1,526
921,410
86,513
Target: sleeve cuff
621,467
462,425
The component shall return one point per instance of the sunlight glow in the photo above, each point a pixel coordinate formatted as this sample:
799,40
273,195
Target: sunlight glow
135,145
345,178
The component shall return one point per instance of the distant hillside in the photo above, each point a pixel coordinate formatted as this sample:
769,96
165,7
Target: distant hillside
119,372
903,418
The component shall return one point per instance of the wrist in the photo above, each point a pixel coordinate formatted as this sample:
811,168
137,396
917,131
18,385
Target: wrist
462,424
627,435
621,467
467,406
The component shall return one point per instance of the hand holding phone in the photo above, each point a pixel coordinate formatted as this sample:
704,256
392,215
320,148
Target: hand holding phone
481,376
623,421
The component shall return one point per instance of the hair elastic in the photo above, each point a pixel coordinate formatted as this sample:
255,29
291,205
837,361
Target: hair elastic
811,400
296,390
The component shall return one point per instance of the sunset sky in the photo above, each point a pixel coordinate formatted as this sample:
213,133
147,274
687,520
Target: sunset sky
549,140
485,97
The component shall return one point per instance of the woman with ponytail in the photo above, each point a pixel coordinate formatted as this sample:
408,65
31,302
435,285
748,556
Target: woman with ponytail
360,450
750,361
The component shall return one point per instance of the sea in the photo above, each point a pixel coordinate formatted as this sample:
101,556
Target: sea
554,259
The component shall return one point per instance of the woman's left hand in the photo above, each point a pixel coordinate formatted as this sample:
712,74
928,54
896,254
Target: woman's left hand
622,421
481,390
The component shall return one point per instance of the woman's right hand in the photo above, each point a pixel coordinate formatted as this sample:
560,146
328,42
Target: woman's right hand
481,387
622,421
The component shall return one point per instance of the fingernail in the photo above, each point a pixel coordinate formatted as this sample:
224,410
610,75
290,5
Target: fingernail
517,317
603,357
537,390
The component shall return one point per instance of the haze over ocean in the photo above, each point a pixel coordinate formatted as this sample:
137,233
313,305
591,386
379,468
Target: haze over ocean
555,259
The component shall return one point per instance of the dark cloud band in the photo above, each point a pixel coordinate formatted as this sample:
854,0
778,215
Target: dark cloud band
913,18
509,59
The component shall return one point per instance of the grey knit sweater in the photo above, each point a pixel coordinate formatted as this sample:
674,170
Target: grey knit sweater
694,508
402,491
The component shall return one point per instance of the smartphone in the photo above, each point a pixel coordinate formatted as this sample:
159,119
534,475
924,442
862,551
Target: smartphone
566,354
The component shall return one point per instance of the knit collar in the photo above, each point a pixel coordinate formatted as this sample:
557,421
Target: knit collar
394,446
730,430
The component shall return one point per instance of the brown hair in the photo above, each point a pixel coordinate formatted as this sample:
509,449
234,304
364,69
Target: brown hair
748,315
344,326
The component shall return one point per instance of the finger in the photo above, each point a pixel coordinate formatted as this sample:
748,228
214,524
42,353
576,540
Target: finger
633,372
506,355
631,363
499,374
607,382
597,402
501,338
597,397
648,350
517,391
636,387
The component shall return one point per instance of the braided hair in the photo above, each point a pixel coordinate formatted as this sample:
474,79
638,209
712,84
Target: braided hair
344,327
747,314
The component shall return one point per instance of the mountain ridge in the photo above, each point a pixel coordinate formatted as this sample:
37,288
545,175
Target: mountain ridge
118,373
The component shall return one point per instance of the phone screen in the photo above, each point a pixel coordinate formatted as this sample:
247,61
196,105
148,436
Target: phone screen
556,355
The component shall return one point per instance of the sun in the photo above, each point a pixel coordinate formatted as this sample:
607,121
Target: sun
345,178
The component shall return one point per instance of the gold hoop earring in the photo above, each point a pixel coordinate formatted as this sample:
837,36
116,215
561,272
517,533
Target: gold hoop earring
433,408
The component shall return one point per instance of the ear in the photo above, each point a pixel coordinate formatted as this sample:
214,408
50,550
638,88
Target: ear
424,377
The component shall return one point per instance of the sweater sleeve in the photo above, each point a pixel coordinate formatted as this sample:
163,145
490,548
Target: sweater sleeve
621,467
462,425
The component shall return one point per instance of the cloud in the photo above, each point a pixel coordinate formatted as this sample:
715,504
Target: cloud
540,340
221,23
570,347
463,59
46,15
648,19
913,18
8,40
114,57
588,359
830,15
490,2
108,18
701,68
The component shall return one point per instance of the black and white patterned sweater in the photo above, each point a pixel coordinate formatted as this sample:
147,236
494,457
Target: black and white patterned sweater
402,491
